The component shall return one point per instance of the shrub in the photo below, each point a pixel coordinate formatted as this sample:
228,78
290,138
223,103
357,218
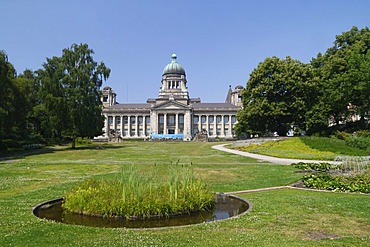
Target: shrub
359,142
83,141
341,135
323,167
343,183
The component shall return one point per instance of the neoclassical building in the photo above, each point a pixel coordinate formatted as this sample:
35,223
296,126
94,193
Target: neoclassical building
173,114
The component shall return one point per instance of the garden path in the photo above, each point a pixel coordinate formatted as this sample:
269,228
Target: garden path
274,160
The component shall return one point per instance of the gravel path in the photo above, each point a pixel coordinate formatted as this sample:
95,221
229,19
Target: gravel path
274,160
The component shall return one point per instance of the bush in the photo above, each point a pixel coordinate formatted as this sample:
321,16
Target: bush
342,135
83,141
323,167
363,133
359,142
343,183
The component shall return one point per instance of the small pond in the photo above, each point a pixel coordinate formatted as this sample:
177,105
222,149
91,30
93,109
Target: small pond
226,206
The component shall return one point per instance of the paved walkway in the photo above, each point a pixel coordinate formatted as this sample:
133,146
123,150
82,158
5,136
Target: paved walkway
280,161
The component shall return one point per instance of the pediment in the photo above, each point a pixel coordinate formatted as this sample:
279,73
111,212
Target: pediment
170,105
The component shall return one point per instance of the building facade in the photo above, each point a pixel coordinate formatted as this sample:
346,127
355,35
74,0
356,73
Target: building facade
173,114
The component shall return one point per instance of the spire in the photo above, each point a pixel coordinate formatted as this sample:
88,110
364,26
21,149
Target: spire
174,57
228,96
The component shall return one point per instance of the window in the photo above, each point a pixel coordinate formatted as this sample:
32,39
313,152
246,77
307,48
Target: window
161,119
226,119
171,119
210,119
181,119
195,119
218,119
203,119
233,119
105,99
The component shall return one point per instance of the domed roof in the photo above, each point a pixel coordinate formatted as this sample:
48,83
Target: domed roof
174,67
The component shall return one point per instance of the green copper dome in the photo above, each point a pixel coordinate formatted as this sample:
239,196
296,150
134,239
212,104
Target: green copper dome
174,67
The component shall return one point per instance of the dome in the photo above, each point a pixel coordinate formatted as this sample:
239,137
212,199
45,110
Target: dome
239,87
174,67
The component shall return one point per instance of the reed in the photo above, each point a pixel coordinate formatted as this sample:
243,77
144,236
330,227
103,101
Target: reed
135,195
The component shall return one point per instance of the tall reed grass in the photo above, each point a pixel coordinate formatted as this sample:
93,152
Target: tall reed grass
134,195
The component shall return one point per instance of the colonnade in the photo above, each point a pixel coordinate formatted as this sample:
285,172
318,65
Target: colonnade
221,125
128,125
141,126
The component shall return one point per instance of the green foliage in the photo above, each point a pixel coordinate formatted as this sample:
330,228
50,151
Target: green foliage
277,95
322,167
345,77
70,91
341,134
134,195
359,142
343,183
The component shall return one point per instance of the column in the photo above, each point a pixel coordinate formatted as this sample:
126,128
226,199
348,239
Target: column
129,126
136,126
165,123
144,125
106,125
222,126
177,124
122,126
114,123
215,125
199,123
230,127
207,125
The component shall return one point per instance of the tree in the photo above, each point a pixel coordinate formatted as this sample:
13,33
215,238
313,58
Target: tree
277,97
70,92
344,74
7,74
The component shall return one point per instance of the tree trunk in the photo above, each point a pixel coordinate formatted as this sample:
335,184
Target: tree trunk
73,142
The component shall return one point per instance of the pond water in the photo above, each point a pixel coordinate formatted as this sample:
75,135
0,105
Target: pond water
226,206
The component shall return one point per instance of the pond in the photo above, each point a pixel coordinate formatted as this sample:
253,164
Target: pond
226,206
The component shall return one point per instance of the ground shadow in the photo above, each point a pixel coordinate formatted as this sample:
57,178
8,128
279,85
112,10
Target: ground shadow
21,154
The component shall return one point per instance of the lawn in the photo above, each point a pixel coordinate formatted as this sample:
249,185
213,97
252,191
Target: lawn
308,148
285,217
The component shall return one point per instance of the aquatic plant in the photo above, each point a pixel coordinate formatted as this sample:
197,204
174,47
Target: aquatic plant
134,195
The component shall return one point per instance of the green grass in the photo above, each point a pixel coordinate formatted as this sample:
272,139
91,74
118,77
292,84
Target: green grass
309,148
141,195
284,217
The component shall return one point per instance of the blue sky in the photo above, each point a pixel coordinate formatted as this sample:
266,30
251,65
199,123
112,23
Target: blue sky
218,42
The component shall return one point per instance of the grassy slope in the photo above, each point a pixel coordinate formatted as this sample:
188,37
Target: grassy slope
311,148
283,217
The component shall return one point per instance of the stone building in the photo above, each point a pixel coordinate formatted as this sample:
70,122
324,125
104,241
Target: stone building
173,114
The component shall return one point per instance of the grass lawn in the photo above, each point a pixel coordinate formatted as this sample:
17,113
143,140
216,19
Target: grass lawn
285,217
308,148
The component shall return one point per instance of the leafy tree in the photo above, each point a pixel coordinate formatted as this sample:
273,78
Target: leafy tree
70,92
277,97
345,76
7,74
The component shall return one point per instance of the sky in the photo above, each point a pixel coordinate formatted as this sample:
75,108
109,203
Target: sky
218,42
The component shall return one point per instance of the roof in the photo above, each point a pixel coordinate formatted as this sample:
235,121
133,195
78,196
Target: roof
214,106
130,106
173,67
